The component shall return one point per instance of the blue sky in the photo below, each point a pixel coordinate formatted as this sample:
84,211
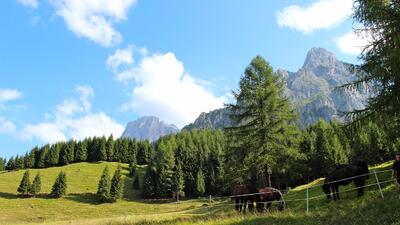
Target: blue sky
77,68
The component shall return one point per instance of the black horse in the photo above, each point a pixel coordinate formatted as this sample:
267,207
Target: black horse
343,175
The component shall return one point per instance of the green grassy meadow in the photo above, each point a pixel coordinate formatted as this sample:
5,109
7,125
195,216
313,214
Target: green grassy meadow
81,206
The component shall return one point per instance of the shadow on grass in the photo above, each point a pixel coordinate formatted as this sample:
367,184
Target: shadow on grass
8,195
17,196
86,198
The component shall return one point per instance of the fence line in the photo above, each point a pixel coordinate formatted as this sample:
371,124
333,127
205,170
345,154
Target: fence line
210,198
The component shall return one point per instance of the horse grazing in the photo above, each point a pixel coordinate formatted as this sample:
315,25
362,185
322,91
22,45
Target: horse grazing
268,195
244,196
344,174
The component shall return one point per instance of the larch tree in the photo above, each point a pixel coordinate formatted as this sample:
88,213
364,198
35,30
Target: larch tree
263,129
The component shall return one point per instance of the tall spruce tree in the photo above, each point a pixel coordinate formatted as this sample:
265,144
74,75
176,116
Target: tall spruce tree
379,69
25,184
36,185
41,162
262,131
102,145
116,185
200,184
81,153
2,164
59,188
110,148
103,191
178,184
149,182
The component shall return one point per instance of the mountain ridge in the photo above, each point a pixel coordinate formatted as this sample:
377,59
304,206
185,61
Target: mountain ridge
312,90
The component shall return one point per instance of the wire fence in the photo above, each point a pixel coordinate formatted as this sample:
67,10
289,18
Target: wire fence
219,201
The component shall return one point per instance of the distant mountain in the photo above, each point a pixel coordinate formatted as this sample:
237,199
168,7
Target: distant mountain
311,90
148,127
216,119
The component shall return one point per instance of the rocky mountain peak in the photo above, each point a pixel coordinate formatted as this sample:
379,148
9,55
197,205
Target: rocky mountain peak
317,57
148,127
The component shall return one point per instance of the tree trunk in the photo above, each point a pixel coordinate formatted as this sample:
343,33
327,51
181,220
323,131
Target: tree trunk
267,176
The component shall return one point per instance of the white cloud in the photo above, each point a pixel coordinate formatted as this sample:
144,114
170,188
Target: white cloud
7,127
122,61
73,118
164,89
94,19
29,3
9,94
120,57
353,43
45,132
319,15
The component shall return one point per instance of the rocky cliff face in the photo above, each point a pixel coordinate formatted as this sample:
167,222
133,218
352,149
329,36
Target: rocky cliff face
148,127
312,89
216,119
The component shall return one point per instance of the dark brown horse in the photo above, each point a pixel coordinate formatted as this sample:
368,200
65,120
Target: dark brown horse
245,196
343,175
267,196
240,195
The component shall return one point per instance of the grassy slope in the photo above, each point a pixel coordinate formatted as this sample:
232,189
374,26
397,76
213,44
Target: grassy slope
81,207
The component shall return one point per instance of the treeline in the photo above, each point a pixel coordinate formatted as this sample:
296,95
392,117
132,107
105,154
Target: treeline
188,163
88,150
326,145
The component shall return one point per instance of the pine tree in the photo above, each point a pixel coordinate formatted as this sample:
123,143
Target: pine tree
263,129
30,159
10,164
116,185
25,184
81,153
136,184
2,164
60,185
41,162
110,148
165,164
103,149
19,162
132,168
64,154
380,60
36,185
103,191
144,152
53,157
178,184
200,184
149,183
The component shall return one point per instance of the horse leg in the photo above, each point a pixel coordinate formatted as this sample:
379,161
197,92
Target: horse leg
244,203
359,184
260,207
269,204
237,204
337,192
251,205
333,192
